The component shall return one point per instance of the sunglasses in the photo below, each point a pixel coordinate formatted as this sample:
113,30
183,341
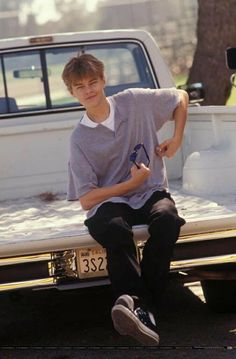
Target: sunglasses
134,155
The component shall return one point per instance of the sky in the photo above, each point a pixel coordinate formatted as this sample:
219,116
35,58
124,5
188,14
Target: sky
44,10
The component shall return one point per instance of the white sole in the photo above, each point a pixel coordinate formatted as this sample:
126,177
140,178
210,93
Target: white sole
126,323
126,301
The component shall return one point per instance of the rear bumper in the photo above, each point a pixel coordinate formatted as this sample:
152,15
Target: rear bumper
193,254
44,271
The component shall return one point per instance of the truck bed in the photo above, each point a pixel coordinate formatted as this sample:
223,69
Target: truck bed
35,225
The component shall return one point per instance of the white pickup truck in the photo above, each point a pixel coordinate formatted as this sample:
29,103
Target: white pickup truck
43,241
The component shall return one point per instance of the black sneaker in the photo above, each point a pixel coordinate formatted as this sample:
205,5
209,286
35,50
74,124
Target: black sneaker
130,318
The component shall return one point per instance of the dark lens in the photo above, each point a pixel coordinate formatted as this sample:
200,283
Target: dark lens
133,156
137,147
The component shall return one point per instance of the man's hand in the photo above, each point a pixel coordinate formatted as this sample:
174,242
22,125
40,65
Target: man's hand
139,175
167,148
98,195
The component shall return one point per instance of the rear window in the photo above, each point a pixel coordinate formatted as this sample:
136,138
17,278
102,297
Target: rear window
31,80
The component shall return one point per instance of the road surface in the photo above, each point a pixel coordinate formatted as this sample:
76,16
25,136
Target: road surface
77,324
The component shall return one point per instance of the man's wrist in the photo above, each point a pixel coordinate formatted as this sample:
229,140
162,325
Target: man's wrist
130,184
177,138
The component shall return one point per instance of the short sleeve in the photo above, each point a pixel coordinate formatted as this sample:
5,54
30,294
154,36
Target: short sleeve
81,177
160,102
165,102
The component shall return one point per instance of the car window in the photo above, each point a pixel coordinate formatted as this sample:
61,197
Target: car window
56,60
25,80
1,85
125,66
33,77
3,107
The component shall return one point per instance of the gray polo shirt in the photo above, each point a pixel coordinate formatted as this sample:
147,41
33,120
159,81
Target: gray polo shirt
99,157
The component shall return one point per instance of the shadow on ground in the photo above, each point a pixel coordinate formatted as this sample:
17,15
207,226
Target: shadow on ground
82,318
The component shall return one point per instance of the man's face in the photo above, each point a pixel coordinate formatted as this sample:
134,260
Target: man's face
89,91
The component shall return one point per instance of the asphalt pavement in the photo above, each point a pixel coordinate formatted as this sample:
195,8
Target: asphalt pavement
77,324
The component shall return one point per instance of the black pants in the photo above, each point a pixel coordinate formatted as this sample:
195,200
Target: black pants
111,227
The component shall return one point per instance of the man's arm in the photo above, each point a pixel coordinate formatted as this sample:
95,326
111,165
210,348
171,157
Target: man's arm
98,195
170,146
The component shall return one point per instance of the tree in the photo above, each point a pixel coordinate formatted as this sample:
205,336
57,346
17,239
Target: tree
75,16
216,31
9,22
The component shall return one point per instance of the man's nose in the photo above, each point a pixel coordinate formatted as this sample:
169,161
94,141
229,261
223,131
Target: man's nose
88,88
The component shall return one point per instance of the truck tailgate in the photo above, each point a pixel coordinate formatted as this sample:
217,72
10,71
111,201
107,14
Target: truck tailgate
33,225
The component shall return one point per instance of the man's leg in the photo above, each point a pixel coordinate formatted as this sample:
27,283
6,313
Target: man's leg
164,227
111,227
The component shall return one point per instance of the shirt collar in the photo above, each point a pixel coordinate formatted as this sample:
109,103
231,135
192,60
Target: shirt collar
109,122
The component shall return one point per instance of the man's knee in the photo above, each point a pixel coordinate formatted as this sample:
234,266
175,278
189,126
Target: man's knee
164,229
163,219
114,232
164,216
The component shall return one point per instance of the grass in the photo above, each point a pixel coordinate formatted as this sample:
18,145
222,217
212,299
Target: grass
232,99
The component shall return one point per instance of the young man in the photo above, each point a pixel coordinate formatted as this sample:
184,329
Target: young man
116,170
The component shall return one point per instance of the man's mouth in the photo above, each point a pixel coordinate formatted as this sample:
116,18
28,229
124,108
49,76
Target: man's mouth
90,97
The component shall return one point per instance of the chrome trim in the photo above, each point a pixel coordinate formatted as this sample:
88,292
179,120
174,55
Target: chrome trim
45,282
198,262
83,284
25,259
207,236
64,264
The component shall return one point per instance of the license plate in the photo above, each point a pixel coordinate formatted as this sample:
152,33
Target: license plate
92,262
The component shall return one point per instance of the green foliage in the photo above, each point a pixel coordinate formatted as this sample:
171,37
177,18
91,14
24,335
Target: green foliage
232,99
